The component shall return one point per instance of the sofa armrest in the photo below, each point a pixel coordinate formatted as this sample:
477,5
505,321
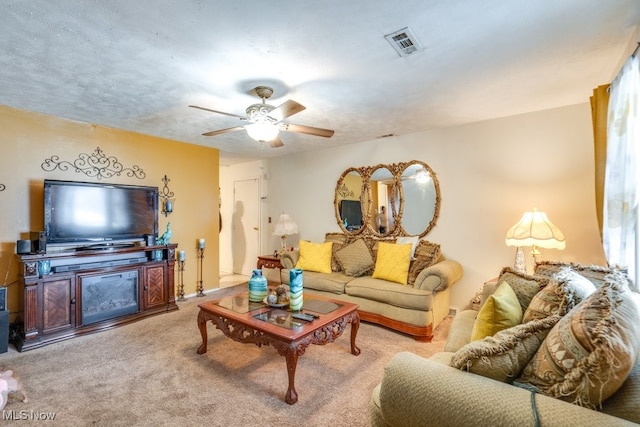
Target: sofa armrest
418,391
439,276
289,259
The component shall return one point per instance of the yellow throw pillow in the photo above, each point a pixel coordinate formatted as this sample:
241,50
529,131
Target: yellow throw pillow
392,263
315,256
501,311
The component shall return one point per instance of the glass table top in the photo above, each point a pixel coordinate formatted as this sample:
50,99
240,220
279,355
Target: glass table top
280,317
276,316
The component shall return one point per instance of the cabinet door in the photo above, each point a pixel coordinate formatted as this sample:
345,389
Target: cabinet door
154,291
58,304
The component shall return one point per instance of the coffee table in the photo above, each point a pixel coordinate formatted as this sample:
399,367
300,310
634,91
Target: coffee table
259,324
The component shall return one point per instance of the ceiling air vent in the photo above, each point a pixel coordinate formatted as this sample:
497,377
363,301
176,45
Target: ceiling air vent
403,41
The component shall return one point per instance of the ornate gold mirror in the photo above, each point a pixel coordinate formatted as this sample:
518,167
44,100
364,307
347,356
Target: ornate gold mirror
421,195
399,199
382,187
348,201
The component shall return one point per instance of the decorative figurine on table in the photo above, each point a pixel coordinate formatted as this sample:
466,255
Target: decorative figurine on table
166,236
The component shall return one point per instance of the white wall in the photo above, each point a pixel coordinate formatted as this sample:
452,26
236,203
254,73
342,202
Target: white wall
229,174
489,174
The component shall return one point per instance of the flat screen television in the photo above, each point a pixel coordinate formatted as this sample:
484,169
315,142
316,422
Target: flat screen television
351,211
77,213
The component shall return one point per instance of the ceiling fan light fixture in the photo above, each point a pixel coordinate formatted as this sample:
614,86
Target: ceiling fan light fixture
262,131
260,112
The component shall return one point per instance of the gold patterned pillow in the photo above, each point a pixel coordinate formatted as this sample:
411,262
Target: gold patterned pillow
590,352
502,356
596,274
524,285
338,240
566,290
425,255
355,258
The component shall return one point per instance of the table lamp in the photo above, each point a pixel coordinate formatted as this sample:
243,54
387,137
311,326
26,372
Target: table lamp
285,227
534,229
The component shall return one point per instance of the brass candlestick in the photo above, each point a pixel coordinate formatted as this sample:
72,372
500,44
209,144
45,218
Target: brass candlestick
181,288
200,287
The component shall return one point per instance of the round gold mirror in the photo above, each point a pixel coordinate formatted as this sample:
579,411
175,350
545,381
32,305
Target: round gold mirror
421,198
396,199
347,201
382,188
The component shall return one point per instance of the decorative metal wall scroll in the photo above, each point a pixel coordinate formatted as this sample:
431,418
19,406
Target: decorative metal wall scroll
96,165
2,187
344,191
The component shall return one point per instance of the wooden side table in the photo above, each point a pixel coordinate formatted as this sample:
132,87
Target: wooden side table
270,261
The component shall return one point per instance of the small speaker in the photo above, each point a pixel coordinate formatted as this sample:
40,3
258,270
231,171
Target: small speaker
38,242
3,298
23,247
150,239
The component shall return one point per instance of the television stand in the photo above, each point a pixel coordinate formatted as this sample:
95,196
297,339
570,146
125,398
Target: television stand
53,309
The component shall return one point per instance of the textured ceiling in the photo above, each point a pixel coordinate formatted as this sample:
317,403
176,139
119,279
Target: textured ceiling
137,65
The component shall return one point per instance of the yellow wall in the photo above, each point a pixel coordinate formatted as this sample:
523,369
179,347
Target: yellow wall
28,139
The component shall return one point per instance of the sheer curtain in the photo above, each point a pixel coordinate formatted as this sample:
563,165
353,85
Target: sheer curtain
622,174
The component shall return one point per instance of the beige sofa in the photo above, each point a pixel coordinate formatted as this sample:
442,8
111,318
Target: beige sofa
415,309
422,392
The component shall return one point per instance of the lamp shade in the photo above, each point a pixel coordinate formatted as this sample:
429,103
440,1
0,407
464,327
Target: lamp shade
262,131
535,229
285,226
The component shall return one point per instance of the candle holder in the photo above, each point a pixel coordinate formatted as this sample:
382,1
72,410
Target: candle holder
200,256
167,197
181,287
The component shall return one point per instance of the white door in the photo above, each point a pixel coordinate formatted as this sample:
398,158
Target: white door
246,222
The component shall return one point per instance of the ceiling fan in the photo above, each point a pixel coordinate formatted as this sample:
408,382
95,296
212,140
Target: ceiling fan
265,121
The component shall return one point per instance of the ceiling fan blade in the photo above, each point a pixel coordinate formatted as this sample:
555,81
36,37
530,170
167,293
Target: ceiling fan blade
216,111
287,109
276,142
309,130
221,131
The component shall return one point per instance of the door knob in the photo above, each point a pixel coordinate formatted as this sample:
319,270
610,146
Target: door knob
255,228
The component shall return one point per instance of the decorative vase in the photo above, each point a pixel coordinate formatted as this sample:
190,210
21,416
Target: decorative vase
157,254
44,267
257,286
295,289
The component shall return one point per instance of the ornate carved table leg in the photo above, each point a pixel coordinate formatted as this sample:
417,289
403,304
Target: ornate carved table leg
355,325
202,325
292,361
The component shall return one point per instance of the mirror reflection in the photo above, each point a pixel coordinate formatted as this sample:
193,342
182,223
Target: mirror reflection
382,186
388,200
419,199
347,200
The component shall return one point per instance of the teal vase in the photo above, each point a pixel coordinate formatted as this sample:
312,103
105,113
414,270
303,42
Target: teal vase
295,289
257,286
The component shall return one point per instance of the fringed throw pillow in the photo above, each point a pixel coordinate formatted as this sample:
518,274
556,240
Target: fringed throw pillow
566,290
590,352
502,356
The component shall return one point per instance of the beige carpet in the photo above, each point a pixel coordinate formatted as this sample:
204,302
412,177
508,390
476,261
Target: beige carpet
149,374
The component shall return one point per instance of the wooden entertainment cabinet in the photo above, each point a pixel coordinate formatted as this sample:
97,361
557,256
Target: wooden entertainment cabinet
52,303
